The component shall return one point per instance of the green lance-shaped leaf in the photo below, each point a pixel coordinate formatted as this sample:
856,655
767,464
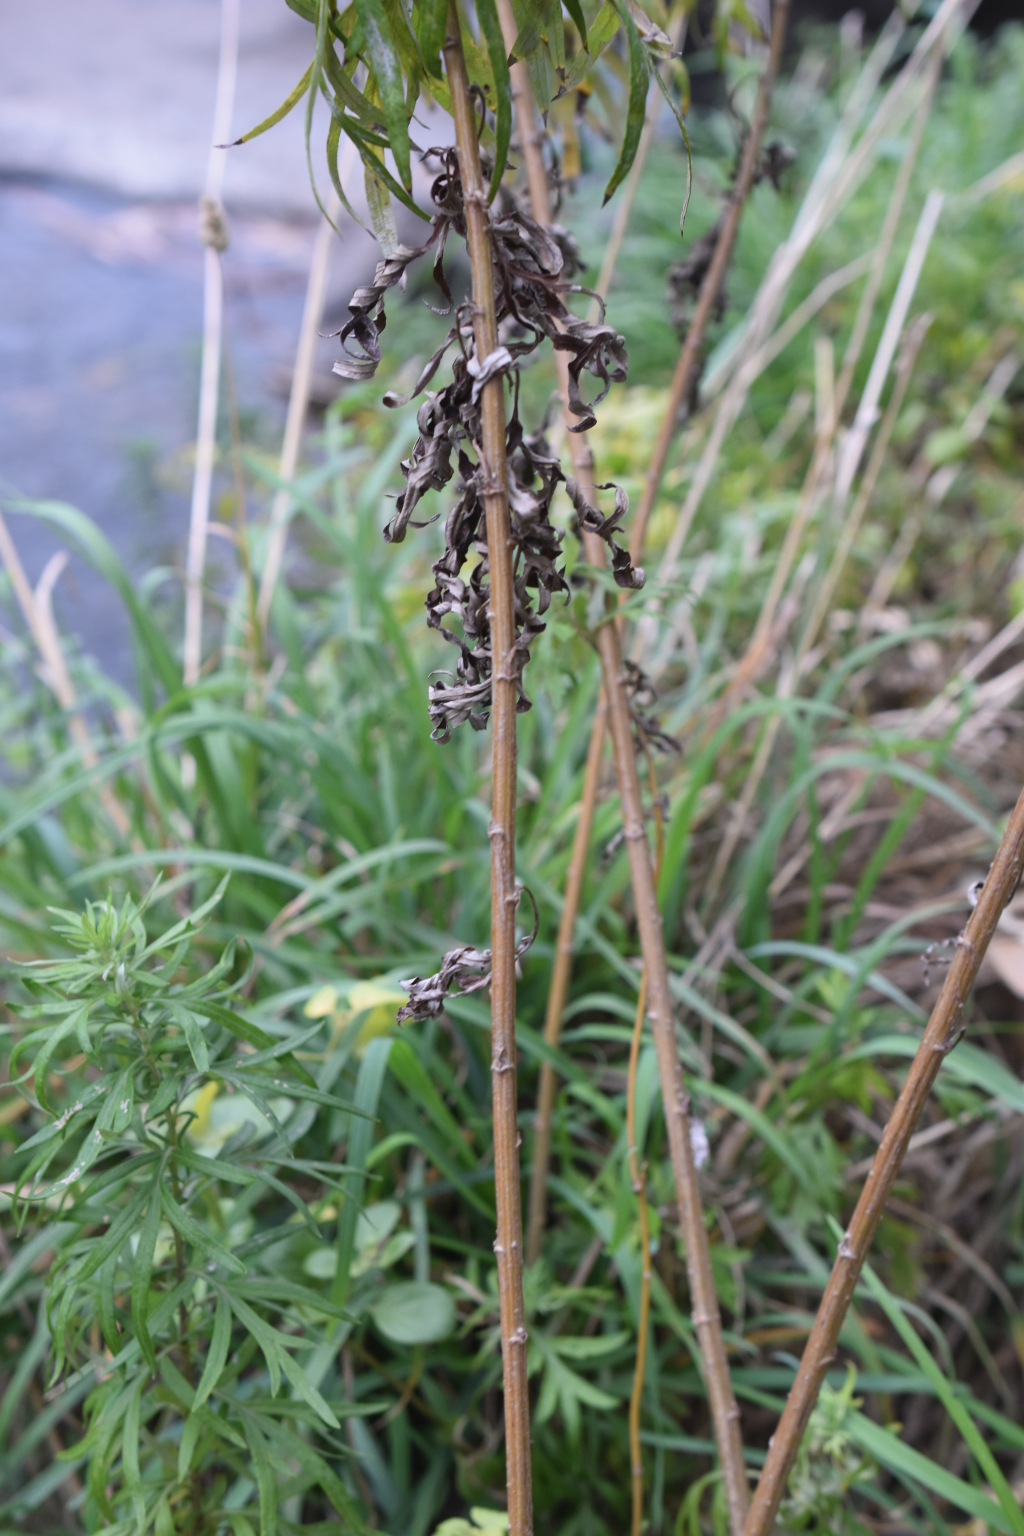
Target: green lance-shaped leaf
579,20
946,1392
130,1453
490,26
274,1348
368,1087
378,201
431,18
556,37
387,69
606,24
212,1251
193,1032
291,100
638,73
216,1358
263,1472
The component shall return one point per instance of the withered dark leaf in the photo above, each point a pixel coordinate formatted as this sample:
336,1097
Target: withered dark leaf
642,695
591,521
463,971
533,270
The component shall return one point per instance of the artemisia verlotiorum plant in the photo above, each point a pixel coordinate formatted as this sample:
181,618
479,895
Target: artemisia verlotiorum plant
500,567
159,1304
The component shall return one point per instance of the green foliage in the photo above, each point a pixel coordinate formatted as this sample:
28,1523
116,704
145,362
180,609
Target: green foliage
401,57
166,1295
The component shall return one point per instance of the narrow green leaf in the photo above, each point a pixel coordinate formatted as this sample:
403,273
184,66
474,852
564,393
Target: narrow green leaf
190,1432
490,26
638,81
201,1240
387,70
378,201
264,1473
192,1030
291,100
900,1457
606,24
108,1312
116,1113
408,1069
130,1453
431,25
217,1354
273,1346
368,1087
579,20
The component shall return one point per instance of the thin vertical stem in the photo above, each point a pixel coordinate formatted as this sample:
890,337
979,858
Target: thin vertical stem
638,1177
638,1173
558,988
704,1302
530,139
508,1244
214,237
298,400
711,287
661,1011
941,1035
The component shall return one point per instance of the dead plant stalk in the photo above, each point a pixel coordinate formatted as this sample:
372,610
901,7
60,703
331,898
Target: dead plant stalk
661,1010
508,1243
944,1029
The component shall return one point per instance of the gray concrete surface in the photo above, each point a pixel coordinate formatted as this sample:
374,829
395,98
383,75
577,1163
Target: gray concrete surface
106,112
119,94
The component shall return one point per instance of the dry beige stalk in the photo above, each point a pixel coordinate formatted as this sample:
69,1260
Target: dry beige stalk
213,233
941,1035
298,399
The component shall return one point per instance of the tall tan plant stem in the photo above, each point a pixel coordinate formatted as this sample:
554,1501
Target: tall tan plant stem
704,1302
661,1011
531,139
711,287
559,987
298,400
755,654
213,233
509,1242
37,612
638,1176
941,1035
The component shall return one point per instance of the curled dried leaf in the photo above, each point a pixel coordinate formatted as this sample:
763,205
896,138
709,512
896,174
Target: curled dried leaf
591,521
463,971
641,695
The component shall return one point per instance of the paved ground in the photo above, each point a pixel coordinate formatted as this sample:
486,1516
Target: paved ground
106,114
120,93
